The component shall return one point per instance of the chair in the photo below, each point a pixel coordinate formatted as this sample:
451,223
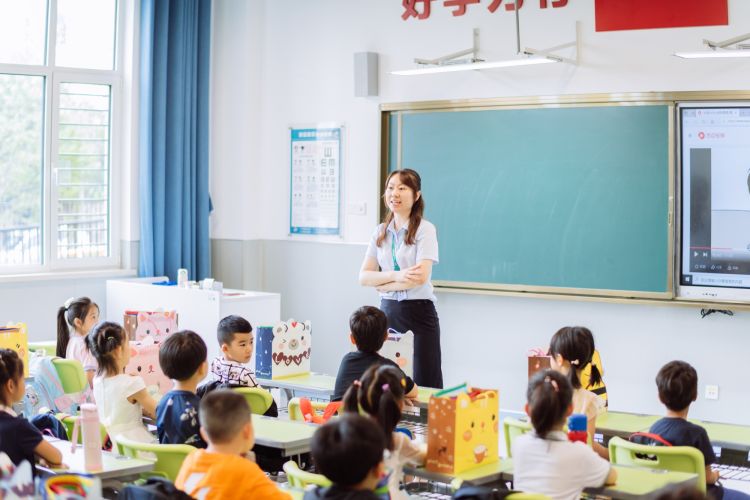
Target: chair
299,478
512,428
527,496
169,457
72,377
673,458
69,422
295,412
259,400
48,346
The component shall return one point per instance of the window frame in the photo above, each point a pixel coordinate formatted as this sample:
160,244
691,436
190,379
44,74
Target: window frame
53,77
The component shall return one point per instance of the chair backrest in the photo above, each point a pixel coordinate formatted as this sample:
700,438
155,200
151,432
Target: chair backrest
299,478
169,457
72,377
512,428
259,400
674,458
295,408
48,346
69,422
527,496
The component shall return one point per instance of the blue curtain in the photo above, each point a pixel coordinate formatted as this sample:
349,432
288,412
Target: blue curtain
174,80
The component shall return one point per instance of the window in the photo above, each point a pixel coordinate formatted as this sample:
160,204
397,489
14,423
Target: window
59,86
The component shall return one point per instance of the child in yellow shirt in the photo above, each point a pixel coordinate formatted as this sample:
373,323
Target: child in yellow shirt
222,470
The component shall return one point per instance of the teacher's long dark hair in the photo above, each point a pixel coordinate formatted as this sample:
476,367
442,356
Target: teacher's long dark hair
412,180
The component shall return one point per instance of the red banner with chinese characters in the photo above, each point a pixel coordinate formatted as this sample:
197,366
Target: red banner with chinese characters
616,15
421,9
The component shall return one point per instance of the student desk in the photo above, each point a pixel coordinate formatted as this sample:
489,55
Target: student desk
614,423
316,384
731,436
292,438
632,482
114,466
423,396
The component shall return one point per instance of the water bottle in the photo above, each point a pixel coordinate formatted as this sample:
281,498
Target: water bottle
92,439
578,428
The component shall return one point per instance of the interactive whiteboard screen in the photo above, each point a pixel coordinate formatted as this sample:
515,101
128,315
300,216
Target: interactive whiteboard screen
715,172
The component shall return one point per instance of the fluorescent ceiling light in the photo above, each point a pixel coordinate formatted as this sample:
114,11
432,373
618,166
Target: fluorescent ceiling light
448,68
708,54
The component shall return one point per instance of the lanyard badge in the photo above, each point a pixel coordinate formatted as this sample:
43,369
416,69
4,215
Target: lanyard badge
393,253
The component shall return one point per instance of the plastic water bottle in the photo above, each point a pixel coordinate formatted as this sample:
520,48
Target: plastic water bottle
578,428
92,439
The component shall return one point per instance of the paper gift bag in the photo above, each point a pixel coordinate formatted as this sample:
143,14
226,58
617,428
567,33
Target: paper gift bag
140,325
462,429
538,360
399,348
15,337
144,362
284,350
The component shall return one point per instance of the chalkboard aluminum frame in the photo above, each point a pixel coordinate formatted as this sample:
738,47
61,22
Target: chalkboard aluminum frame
670,99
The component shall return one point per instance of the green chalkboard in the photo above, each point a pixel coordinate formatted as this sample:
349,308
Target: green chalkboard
568,197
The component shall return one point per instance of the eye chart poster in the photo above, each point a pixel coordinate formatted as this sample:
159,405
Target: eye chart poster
315,181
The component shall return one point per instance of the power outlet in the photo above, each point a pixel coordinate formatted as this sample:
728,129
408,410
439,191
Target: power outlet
357,208
712,392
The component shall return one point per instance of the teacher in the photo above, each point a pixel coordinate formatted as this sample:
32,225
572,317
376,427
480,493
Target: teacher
399,264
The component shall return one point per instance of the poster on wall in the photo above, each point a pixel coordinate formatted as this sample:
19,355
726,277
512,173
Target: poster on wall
315,181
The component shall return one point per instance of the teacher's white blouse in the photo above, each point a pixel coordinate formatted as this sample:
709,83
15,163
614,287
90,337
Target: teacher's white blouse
425,247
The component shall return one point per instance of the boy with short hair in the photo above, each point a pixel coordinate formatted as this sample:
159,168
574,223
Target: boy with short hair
677,382
221,471
349,452
368,331
182,357
235,336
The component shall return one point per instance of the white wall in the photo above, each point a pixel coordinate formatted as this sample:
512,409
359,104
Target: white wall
279,63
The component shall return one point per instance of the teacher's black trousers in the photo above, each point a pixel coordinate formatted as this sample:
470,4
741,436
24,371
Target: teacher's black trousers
420,317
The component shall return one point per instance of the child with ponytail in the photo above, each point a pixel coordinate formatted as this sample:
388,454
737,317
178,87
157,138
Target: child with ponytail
121,399
545,461
572,350
74,321
380,394
19,439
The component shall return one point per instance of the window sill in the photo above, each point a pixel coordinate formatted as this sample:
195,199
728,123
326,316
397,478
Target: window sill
67,275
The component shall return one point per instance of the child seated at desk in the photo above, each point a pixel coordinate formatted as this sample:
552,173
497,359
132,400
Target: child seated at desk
19,439
122,399
222,470
369,330
230,369
677,382
572,349
545,461
183,359
349,452
75,319
380,395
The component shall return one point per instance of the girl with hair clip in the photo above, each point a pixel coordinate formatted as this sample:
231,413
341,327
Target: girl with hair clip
571,350
380,394
545,461
74,321
20,439
121,399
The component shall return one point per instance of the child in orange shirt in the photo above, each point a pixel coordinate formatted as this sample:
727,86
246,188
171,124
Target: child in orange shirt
222,471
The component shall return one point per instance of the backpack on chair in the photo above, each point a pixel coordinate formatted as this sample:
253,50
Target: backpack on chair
648,439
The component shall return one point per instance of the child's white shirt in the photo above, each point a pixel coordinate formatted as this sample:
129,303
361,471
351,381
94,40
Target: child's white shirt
120,416
555,466
405,451
77,350
231,372
587,403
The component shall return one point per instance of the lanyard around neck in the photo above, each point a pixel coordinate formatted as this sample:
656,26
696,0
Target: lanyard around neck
393,252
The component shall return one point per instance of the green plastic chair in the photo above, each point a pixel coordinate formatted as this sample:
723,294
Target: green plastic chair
69,422
169,457
527,496
48,346
512,428
259,400
299,478
673,458
72,377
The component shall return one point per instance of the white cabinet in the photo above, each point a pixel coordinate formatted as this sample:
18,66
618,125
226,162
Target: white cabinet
198,310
